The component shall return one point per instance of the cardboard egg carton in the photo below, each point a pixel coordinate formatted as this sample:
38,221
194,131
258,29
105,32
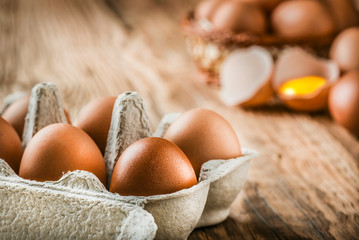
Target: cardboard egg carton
79,206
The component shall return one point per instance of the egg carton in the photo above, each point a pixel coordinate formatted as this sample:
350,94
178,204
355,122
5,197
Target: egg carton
79,206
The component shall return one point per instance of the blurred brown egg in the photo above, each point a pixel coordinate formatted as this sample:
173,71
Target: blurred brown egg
10,145
344,101
345,49
206,8
300,19
204,135
57,149
95,119
16,113
152,166
239,17
344,13
268,5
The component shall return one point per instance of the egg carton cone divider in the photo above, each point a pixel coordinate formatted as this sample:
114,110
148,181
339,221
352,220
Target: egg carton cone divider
45,108
175,214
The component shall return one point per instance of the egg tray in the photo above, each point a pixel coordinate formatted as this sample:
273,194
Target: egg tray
79,206
210,48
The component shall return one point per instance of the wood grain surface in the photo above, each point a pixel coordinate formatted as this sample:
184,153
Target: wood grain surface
304,185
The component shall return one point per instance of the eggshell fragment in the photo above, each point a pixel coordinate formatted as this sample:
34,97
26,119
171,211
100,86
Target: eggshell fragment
345,49
10,145
245,77
295,63
344,101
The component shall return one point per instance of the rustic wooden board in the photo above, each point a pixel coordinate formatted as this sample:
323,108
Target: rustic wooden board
305,184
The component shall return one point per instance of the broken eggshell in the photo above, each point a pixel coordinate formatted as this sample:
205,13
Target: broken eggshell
245,77
294,63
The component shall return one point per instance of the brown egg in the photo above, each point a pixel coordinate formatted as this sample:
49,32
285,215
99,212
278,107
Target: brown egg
205,9
239,17
302,19
15,114
344,101
152,166
204,135
345,49
57,149
344,13
10,145
268,5
95,119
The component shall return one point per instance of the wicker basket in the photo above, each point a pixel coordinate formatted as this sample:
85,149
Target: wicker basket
210,48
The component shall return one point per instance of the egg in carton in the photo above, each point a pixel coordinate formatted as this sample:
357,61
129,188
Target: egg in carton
165,216
76,206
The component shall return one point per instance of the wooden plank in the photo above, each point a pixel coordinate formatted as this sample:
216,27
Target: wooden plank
305,183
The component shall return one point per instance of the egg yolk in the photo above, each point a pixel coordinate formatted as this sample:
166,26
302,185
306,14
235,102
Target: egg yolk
302,86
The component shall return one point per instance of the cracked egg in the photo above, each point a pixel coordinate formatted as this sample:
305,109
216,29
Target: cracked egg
302,81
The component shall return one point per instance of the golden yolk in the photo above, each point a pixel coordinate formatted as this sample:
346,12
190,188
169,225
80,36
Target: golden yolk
302,86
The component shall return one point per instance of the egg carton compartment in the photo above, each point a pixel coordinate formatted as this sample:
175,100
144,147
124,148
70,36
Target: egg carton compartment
79,206
75,207
226,179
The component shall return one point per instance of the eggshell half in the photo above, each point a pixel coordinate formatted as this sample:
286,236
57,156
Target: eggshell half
295,63
245,77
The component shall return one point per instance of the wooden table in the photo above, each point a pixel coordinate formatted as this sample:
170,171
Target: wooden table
305,184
